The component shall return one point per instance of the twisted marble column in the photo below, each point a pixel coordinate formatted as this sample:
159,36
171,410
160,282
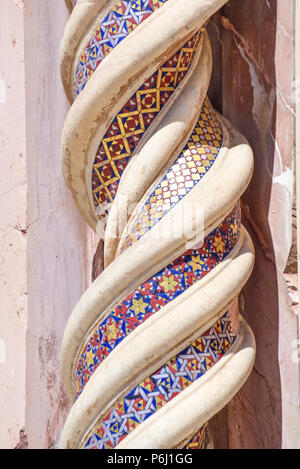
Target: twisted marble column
156,346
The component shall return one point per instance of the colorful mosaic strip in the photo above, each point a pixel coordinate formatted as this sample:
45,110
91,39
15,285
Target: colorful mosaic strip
161,387
193,163
197,441
152,295
125,16
134,119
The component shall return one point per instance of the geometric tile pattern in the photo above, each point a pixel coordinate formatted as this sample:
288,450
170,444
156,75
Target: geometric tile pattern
197,440
124,17
130,124
193,163
148,298
162,386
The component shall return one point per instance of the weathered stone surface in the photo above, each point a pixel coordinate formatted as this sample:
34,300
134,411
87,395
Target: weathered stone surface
148,345
253,54
45,247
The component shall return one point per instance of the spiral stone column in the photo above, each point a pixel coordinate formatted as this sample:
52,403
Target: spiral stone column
156,346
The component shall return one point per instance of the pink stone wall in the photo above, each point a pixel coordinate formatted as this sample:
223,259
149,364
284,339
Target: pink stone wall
257,45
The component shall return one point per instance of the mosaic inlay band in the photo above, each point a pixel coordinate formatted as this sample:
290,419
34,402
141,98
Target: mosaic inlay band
124,17
162,386
128,127
192,164
152,295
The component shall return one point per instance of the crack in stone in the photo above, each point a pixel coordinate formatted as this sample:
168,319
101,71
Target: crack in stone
226,23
